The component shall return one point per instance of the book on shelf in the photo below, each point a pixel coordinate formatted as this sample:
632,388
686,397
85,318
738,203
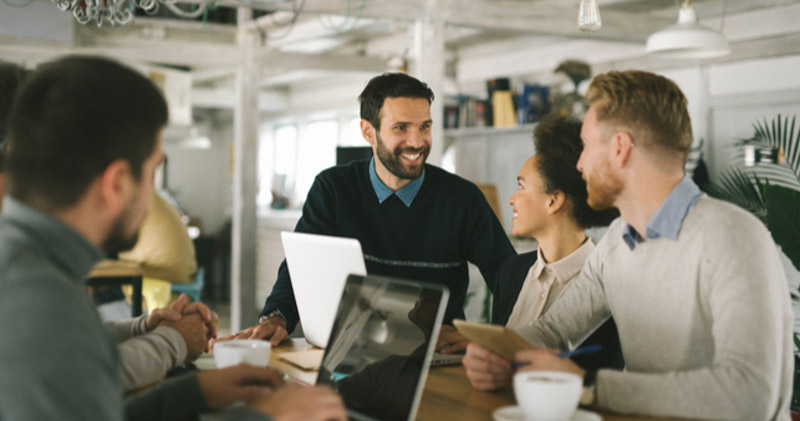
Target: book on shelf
533,103
451,116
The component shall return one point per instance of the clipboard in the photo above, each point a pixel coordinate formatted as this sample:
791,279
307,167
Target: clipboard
498,339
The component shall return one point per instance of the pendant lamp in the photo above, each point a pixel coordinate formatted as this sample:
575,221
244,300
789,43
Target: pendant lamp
687,39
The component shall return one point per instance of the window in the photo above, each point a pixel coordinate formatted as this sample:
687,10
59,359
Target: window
351,133
277,154
316,151
291,155
285,152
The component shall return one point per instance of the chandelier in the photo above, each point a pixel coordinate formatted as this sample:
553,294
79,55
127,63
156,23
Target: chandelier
120,12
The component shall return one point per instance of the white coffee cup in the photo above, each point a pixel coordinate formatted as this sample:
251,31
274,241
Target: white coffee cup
250,351
547,395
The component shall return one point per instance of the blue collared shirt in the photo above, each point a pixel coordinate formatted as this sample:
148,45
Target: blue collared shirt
667,220
405,194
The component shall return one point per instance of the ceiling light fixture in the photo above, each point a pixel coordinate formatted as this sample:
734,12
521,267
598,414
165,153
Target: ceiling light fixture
589,16
120,12
688,39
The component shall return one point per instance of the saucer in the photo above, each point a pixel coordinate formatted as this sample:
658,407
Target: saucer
514,413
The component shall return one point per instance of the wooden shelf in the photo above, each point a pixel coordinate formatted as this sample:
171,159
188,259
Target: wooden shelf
480,131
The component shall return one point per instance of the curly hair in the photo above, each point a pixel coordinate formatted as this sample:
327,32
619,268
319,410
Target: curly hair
558,146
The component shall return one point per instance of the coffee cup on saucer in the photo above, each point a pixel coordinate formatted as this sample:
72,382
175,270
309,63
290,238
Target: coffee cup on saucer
547,395
250,351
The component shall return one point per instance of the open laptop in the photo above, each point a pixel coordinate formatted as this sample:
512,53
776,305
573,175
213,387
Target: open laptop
318,266
381,344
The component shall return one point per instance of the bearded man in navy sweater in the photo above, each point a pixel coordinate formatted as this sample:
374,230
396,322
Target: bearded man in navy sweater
413,220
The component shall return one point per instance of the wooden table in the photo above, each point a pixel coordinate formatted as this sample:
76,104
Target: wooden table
448,395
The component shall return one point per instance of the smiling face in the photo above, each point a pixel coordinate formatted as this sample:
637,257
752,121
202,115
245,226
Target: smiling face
529,201
602,184
404,140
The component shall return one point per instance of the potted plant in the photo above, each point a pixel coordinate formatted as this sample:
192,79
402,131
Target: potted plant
765,179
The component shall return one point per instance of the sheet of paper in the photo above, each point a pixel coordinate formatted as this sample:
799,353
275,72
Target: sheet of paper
307,360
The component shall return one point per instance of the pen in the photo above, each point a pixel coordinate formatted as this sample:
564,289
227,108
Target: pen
564,354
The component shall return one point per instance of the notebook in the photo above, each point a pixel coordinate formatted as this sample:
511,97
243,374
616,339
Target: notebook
381,344
318,267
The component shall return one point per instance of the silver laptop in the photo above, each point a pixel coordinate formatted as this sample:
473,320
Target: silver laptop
318,266
381,344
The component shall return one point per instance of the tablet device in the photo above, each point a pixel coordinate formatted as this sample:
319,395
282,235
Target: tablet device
498,339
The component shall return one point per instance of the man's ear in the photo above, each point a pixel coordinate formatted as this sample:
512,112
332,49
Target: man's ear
621,147
116,184
368,131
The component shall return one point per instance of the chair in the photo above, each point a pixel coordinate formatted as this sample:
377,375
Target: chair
195,289
114,272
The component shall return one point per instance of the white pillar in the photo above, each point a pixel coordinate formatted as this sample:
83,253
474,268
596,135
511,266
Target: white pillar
245,153
428,65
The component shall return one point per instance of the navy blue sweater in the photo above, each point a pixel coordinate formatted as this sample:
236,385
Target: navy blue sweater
448,224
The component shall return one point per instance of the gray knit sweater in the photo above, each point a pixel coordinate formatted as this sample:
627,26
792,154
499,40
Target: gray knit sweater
704,321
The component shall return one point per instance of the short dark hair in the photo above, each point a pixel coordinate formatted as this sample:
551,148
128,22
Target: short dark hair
557,141
71,119
390,85
11,77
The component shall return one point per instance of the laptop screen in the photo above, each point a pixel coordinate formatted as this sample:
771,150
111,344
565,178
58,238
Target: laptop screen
379,349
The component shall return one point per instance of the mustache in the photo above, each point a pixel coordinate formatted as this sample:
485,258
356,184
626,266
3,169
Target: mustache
421,150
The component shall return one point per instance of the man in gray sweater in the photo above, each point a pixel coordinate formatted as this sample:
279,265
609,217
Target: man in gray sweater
695,285
85,139
147,350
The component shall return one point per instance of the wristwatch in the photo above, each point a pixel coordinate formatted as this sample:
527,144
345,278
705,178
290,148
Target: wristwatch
588,394
270,315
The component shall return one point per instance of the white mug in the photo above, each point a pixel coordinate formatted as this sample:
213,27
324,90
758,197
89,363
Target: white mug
547,395
250,351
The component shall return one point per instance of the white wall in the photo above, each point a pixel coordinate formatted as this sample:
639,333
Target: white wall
201,178
742,93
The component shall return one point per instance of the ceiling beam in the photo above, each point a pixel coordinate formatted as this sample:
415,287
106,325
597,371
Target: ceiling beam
508,15
331,62
751,49
225,98
552,19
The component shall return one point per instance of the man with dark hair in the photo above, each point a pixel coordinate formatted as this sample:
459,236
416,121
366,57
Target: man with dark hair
85,140
413,220
11,77
147,349
694,284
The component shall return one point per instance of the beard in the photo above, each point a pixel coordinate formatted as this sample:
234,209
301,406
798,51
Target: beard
119,239
392,160
603,187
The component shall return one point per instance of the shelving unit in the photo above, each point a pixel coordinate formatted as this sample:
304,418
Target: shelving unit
477,131
492,155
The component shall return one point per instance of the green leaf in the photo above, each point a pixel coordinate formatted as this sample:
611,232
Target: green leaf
736,187
783,207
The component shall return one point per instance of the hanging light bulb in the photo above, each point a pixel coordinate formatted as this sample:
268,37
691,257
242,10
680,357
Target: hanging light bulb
589,16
